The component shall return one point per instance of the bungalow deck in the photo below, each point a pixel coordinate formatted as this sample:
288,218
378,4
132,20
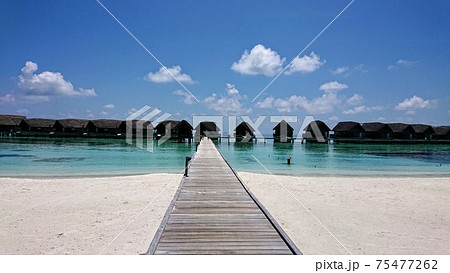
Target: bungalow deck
213,212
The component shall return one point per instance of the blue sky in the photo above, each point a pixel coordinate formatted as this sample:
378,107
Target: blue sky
379,61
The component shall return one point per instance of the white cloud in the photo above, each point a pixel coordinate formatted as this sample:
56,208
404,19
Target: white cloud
333,118
415,103
321,105
40,87
381,119
23,111
362,109
355,99
163,75
229,104
109,106
8,98
259,61
333,86
186,97
305,64
103,113
266,103
131,111
340,70
400,63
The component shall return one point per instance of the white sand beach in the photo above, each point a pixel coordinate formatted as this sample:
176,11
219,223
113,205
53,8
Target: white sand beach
401,215
83,215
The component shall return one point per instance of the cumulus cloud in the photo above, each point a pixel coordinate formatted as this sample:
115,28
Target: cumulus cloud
40,87
186,97
340,70
259,61
266,103
305,64
321,105
230,104
6,99
410,105
400,63
362,109
167,75
109,106
103,113
333,86
333,118
355,99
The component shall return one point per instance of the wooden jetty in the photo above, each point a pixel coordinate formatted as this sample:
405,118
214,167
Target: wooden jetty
213,212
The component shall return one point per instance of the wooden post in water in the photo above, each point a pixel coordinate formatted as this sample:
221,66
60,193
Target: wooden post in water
288,160
188,158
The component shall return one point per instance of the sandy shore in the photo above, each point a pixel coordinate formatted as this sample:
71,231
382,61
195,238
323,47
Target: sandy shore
401,215
366,215
83,215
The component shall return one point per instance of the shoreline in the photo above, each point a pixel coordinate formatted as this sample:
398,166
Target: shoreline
401,175
368,215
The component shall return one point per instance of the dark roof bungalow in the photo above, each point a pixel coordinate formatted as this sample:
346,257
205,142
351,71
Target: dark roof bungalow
38,126
130,127
208,129
377,130
105,127
283,132
442,132
423,131
348,129
10,123
175,129
402,131
72,127
244,132
317,130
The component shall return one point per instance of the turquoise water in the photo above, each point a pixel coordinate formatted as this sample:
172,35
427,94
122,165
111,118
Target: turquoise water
82,157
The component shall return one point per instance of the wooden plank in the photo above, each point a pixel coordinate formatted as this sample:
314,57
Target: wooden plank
213,212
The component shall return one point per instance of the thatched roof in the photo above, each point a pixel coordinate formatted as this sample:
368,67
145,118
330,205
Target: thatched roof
246,126
106,123
346,126
283,122
442,130
171,123
73,123
320,124
146,124
399,127
40,122
11,120
421,128
209,126
374,126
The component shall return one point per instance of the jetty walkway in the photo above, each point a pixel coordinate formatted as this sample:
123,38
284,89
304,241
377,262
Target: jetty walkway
213,212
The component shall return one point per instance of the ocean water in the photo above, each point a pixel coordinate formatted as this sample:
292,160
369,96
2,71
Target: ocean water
92,157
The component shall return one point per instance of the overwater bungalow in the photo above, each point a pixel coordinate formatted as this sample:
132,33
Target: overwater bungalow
145,125
442,132
174,129
402,131
316,131
423,131
38,127
207,128
72,127
377,130
244,132
10,124
348,129
105,128
283,132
